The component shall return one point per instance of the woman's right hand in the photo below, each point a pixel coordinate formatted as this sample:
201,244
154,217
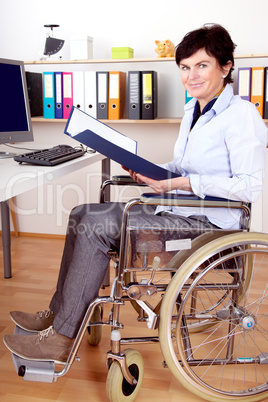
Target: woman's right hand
132,174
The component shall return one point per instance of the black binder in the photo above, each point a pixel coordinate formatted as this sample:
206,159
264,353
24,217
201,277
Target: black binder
134,95
102,94
265,100
35,93
149,95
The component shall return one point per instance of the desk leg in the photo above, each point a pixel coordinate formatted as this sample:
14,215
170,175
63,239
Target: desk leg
106,174
6,238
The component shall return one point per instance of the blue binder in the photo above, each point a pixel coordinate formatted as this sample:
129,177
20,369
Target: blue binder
58,95
188,97
49,95
105,140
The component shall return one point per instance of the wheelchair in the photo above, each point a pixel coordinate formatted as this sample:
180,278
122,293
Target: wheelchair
208,301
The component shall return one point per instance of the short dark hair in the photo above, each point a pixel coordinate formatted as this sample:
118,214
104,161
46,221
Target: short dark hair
214,39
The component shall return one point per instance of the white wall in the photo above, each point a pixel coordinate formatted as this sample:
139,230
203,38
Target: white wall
124,23
119,23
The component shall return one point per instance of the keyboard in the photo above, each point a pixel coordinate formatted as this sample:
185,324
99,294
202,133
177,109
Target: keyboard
50,156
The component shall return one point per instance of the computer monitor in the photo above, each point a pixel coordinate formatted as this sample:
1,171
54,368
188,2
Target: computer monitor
15,116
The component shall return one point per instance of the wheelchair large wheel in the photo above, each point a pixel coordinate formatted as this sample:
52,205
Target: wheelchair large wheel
204,321
228,279
117,388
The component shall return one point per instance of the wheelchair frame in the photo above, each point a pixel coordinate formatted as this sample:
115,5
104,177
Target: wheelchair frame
189,271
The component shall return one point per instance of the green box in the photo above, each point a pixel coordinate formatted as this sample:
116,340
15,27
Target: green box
122,53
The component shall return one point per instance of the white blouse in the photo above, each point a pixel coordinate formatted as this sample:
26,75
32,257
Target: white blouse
223,155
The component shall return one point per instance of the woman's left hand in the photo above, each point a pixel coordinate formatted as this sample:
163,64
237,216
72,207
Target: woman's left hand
161,186
164,186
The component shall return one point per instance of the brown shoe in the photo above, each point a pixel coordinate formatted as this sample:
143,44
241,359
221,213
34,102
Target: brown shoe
47,345
33,322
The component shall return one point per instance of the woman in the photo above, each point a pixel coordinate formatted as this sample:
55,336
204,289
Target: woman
220,152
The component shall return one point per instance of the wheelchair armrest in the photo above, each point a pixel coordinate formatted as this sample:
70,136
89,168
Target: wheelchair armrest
191,200
125,180
121,180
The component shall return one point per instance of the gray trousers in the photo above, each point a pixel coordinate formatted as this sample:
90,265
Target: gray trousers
92,230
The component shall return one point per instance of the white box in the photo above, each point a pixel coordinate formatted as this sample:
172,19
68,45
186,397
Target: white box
81,48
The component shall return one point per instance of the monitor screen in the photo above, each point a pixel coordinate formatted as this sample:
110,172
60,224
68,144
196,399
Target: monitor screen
15,116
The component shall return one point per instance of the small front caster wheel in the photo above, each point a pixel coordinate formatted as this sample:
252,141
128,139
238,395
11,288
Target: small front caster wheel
117,388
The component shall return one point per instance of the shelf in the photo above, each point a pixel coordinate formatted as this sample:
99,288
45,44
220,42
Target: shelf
100,61
251,56
121,121
159,120
133,60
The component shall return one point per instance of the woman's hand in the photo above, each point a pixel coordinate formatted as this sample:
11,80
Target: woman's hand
161,186
132,174
164,186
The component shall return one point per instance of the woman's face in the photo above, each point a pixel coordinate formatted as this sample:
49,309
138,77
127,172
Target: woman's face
202,76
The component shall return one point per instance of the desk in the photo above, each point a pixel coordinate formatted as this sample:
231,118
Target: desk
18,178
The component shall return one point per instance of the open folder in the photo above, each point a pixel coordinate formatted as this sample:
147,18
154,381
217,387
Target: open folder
114,145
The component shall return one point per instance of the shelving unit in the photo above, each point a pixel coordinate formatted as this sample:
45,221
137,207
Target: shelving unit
118,61
106,61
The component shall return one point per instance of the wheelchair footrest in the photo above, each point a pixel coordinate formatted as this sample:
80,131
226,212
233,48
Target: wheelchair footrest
31,370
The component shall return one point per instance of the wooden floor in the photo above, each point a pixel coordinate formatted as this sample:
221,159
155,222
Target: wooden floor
35,269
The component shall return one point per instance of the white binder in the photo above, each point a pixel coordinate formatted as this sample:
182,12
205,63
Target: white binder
91,93
78,90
